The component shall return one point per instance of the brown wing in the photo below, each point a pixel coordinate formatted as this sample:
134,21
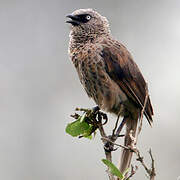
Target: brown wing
123,70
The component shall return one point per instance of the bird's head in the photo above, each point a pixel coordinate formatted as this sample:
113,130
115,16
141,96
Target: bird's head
87,23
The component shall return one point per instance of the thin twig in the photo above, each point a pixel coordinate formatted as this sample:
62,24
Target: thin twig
107,153
141,160
153,173
101,130
143,109
133,171
108,140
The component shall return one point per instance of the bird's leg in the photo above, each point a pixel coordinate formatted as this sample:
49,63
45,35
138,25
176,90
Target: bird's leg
109,146
117,134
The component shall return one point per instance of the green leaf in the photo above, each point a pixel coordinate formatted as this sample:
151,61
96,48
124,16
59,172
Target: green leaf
88,137
88,131
113,169
78,128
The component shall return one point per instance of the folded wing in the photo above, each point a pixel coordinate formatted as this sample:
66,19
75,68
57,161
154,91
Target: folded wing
123,70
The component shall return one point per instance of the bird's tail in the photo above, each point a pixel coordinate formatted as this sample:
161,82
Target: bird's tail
126,156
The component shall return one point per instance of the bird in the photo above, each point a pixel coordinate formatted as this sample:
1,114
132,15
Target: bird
108,72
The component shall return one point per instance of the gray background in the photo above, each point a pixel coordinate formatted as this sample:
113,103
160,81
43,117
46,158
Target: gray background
40,88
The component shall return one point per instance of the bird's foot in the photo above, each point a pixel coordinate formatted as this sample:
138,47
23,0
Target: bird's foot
100,115
95,109
109,147
109,144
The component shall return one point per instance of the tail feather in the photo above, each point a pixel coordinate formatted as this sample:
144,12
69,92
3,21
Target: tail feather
126,156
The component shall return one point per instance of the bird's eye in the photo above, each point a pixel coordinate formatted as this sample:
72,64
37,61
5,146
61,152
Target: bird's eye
88,17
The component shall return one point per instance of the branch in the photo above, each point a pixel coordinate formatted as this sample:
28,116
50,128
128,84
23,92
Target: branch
150,171
108,140
133,148
107,153
153,173
133,171
95,117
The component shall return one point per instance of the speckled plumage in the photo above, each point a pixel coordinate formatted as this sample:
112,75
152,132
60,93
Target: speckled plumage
92,73
107,71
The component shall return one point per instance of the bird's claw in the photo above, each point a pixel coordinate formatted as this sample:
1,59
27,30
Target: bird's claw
95,109
109,147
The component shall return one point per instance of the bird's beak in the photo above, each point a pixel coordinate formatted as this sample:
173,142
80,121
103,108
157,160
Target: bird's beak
75,21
